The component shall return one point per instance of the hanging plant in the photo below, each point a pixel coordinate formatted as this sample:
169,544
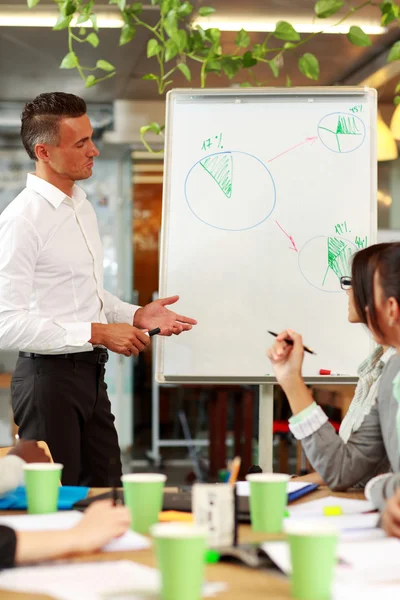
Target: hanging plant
177,44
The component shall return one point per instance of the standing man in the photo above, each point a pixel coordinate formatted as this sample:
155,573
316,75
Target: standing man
53,307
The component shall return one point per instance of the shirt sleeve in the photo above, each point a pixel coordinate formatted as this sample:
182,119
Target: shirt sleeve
8,546
308,421
118,311
342,465
381,488
11,473
19,328
302,414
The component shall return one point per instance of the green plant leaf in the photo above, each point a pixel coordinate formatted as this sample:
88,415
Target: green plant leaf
93,18
327,8
213,34
150,76
213,66
204,11
185,9
274,67
153,48
93,39
82,19
231,65
357,37
259,51
104,65
289,45
62,22
396,100
180,39
136,8
242,39
389,11
67,8
32,3
82,31
153,127
127,34
249,60
185,70
201,32
309,66
288,81
245,84
90,81
397,89
171,50
286,32
120,3
70,61
394,53
171,23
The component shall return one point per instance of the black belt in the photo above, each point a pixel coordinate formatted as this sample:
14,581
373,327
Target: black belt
95,356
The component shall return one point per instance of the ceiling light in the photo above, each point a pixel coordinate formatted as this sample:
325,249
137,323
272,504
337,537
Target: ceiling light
269,26
49,19
387,147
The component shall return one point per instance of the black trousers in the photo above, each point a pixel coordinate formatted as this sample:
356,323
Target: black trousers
64,402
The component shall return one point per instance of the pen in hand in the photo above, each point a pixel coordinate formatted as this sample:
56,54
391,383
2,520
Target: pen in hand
290,343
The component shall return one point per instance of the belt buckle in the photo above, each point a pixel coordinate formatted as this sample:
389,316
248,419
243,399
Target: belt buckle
103,358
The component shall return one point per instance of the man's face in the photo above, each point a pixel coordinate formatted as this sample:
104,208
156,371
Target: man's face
75,153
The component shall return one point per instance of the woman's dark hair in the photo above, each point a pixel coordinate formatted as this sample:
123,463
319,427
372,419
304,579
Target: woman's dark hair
41,118
382,258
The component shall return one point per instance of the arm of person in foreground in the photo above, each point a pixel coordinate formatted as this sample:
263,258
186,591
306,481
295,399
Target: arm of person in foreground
101,523
340,465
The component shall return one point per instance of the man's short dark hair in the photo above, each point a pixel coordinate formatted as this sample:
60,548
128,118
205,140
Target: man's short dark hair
41,118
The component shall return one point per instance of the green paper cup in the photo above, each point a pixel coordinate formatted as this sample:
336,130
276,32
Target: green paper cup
180,550
268,498
313,555
42,481
143,495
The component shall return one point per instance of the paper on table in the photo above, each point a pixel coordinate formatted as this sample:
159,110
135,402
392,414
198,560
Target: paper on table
345,523
91,581
67,519
344,591
315,507
243,487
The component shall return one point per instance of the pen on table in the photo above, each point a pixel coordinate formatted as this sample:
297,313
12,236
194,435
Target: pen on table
235,468
153,331
290,342
115,499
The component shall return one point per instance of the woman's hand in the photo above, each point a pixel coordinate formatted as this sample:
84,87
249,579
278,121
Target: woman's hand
391,516
101,523
286,359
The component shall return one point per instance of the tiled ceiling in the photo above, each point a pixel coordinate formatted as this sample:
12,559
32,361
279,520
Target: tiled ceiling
30,57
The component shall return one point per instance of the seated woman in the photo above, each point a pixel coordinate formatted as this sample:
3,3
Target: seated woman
100,524
350,458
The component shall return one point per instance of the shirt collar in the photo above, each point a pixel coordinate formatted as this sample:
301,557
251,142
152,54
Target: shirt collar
51,193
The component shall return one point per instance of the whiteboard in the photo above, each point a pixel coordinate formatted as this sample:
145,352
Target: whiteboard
267,194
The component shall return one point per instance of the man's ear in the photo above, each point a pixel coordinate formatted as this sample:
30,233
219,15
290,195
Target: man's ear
42,152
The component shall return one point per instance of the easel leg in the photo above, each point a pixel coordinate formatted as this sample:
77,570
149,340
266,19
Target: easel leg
265,427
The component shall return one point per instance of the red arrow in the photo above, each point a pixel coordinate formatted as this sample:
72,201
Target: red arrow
308,139
293,246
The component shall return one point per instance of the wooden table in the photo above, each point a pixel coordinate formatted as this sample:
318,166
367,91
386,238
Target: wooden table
243,583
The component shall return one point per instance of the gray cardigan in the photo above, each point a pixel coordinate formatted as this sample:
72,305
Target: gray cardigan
371,450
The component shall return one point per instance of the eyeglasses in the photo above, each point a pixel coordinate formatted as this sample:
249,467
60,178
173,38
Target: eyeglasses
345,283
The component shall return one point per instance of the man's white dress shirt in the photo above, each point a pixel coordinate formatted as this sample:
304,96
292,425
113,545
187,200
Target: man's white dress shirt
51,272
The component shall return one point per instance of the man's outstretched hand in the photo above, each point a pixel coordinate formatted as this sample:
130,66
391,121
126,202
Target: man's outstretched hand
156,314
